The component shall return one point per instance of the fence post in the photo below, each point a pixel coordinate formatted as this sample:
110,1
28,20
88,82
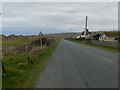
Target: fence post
26,48
3,67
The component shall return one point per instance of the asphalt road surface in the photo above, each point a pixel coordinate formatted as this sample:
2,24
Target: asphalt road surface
75,65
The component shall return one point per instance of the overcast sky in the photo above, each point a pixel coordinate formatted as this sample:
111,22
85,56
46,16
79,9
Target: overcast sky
31,18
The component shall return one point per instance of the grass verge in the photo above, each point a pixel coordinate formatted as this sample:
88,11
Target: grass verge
25,76
97,46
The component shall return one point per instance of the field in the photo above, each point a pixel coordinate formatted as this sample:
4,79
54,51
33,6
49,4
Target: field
17,41
26,66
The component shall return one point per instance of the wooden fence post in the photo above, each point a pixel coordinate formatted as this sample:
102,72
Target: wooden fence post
26,48
3,67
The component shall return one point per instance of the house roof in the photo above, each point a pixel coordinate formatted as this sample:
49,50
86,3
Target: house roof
111,34
83,33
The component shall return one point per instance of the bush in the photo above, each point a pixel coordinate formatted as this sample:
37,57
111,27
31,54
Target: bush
45,41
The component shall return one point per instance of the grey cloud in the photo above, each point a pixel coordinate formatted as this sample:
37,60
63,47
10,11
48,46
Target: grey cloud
53,17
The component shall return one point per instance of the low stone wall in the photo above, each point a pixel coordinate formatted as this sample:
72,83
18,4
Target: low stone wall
112,44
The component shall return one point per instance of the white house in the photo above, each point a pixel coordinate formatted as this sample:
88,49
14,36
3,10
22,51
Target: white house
77,37
103,37
85,34
108,36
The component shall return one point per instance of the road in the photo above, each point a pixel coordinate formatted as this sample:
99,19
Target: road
75,65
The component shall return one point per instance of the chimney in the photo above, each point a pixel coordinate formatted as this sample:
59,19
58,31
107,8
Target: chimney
86,23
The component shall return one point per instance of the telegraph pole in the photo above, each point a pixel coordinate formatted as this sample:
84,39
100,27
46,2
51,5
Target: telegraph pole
70,31
40,38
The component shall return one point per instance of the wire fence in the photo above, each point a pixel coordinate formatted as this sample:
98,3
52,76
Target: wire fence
27,47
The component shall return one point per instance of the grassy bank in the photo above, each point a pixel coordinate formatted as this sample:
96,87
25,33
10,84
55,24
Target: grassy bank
24,75
97,46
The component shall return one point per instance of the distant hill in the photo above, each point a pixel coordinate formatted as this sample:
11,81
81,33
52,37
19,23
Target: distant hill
63,35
